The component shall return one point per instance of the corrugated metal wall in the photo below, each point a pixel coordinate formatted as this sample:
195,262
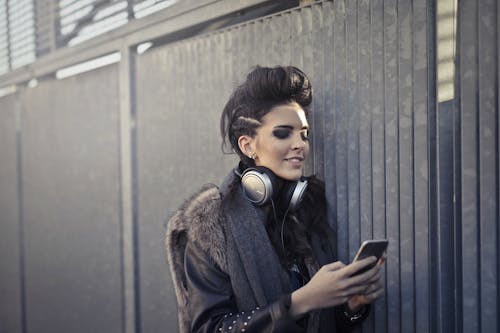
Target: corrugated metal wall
369,62
477,172
10,227
396,163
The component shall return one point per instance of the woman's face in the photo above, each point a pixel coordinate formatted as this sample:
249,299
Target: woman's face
281,142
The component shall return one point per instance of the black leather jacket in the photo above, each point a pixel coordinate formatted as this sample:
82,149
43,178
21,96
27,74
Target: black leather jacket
215,311
197,245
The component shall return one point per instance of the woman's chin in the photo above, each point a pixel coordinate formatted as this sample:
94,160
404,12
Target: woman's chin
293,175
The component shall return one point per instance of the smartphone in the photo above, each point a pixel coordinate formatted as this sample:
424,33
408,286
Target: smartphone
373,247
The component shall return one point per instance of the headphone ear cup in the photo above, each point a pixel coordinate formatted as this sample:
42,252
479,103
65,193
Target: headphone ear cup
293,194
259,185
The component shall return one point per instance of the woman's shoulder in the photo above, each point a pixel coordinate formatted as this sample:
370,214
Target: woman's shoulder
198,221
199,211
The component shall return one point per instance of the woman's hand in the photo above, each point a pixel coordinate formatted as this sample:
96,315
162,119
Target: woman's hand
334,284
372,292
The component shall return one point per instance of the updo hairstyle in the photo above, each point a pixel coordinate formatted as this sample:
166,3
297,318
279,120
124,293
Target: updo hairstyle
263,89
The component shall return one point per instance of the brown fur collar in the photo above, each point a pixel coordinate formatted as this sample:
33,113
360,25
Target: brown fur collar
198,220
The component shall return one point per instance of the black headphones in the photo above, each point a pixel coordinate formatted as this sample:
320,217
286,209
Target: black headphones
261,185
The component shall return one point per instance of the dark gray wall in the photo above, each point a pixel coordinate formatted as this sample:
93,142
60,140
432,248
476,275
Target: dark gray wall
477,176
70,186
11,256
396,163
181,93
369,63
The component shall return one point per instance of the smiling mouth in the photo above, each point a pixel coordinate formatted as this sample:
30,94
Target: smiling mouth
295,159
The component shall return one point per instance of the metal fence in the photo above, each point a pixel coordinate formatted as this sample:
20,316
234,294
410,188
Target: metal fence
94,164
31,29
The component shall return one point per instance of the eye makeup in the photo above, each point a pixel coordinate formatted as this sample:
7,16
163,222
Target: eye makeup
283,132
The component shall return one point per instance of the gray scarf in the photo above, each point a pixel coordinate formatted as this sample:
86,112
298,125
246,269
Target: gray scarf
256,274
232,231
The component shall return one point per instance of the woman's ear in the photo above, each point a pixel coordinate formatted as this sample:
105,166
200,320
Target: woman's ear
245,143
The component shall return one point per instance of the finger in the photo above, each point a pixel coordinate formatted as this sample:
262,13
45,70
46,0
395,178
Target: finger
334,266
373,287
375,294
382,259
359,264
355,290
375,278
365,278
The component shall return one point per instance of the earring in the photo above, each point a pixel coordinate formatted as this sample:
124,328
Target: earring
252,155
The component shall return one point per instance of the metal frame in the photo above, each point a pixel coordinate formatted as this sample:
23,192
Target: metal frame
176,18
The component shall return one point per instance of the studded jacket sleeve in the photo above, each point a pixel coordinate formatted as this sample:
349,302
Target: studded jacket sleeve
213,307
214,310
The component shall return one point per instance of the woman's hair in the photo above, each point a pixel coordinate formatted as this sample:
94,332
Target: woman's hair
263,89
291,233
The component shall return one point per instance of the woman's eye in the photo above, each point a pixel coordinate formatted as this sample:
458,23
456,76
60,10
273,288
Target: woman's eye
304,135
282,133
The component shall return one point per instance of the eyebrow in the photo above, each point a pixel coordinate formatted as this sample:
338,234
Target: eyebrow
290,127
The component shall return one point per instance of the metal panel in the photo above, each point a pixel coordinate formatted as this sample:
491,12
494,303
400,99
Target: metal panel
11,268
479,183
174,129
391,57
182,16
339,124
72,235
469,168
443,312
369,65
406,246
488,165
319,93
365,121
329,138
377,149
384,151
422,100
353,123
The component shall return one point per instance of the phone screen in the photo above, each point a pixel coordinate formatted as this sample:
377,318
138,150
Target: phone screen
374,247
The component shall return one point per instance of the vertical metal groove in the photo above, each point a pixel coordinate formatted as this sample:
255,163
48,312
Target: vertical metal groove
412,165
457,176
22,264
477,142
128,237
457,172
497,158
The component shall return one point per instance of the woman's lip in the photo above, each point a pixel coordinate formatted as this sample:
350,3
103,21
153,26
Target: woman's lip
294,161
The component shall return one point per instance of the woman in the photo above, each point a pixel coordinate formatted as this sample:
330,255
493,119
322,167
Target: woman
257,254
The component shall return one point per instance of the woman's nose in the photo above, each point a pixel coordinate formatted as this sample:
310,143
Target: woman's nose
299,142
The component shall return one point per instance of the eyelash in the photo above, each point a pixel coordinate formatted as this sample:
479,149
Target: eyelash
282,133
285,133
